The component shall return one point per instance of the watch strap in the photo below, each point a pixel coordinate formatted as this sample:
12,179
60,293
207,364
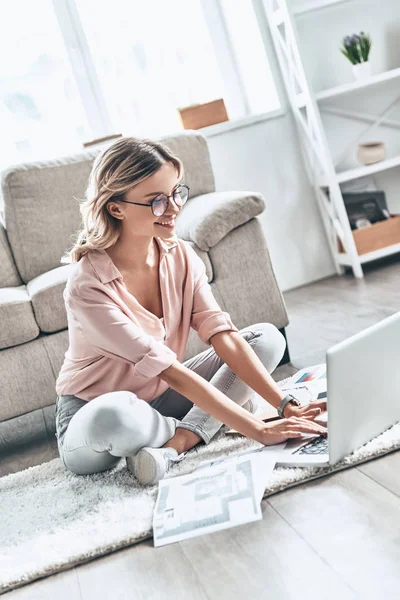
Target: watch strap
288,398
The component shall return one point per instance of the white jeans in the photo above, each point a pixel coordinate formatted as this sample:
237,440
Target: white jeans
93,436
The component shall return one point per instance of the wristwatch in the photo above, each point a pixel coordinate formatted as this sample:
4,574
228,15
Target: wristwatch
288,398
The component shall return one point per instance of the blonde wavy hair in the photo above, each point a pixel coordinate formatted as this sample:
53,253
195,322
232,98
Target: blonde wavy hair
116,170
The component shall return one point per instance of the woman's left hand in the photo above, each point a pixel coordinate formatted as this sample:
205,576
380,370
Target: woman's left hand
308,411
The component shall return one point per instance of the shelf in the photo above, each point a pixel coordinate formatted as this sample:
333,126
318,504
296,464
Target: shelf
376,241
358,85
350,87
369,256
388,251
351,174
313,5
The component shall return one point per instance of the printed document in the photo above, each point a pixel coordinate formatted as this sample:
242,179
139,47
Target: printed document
211,498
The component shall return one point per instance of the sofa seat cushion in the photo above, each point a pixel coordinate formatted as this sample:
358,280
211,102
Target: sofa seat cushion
46,293
18,324
210,217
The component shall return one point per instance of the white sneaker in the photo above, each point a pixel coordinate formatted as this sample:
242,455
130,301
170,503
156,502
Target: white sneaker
151,464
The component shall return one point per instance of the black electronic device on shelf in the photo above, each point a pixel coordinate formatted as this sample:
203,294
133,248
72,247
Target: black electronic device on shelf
364,207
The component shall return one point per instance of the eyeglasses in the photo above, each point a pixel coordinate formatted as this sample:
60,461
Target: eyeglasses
160,204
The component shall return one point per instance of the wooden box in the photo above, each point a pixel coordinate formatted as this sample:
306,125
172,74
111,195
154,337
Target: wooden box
203,115
376,236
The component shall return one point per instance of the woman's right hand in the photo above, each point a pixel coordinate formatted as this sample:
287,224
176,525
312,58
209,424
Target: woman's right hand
293,427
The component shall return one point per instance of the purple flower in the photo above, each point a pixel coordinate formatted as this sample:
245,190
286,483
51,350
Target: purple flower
347,41
355,37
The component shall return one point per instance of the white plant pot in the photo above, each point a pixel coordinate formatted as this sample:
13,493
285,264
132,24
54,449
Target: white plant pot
371,152
362,70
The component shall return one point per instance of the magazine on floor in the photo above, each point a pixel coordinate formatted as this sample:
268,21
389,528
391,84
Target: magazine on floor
211,498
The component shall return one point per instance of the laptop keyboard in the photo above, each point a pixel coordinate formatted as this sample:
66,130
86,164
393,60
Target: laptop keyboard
317,446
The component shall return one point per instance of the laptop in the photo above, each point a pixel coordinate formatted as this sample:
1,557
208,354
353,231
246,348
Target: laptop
363,397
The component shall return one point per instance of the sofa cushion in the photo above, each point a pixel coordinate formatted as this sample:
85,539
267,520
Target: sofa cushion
41,210
17,320
8,271
46,293
210,217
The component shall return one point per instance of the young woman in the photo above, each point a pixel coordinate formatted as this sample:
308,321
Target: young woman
134,292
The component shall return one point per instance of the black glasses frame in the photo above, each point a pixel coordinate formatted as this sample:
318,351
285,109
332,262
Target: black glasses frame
157,199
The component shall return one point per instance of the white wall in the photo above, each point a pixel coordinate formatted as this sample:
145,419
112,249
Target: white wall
265,158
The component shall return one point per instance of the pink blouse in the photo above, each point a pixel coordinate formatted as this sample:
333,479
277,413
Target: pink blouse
115,343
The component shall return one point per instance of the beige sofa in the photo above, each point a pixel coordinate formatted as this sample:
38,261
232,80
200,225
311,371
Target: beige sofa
40,215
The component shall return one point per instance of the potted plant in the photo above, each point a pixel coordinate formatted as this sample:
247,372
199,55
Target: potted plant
357,48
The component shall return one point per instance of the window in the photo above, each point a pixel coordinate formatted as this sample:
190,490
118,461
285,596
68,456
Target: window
251,59
41,113
84,69
151,58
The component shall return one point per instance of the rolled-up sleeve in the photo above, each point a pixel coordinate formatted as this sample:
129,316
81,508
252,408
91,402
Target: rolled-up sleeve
207,316
111,333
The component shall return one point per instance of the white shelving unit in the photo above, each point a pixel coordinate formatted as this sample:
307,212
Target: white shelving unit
305,104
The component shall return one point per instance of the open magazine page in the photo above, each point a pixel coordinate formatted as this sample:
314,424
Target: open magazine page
211,498
264,459
309,374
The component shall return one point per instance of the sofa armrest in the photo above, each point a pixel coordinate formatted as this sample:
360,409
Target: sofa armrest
207,218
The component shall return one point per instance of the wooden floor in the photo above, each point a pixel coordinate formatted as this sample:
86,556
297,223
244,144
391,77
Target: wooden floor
337,537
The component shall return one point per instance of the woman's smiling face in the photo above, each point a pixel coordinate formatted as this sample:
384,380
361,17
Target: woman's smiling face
139,220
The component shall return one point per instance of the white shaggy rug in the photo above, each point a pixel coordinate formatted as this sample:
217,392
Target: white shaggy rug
52,519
